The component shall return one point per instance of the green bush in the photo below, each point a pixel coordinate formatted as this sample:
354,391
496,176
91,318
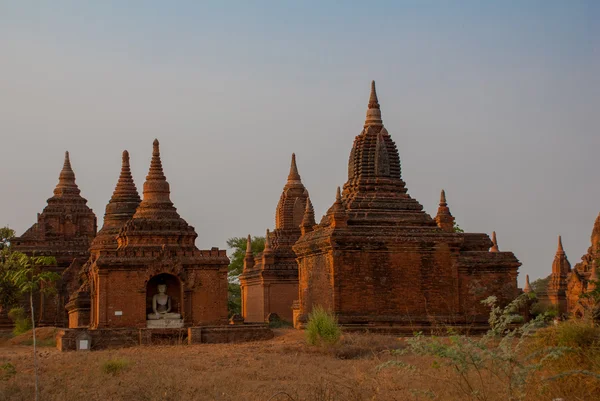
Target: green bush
20,319
280,324
322,327
114,366
7,371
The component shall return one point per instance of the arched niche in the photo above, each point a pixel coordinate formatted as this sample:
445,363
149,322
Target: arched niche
174,290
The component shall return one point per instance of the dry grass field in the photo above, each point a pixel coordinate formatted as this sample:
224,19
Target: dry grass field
282,369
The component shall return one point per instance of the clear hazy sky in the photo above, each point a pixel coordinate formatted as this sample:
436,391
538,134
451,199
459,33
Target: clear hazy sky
496,102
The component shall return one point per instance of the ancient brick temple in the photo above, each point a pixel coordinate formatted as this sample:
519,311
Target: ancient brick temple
154,246
64,230
566,285
269,282
119,210
378,259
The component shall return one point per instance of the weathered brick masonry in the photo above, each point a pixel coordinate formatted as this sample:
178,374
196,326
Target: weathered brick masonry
377,259
154,245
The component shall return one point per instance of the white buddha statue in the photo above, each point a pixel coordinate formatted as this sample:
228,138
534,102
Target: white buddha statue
161,305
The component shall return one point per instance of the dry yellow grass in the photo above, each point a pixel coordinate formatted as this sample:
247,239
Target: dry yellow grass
281,369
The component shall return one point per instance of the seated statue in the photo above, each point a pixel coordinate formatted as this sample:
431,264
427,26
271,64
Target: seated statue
161,305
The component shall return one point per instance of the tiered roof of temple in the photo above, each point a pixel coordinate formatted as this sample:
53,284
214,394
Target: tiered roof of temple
66,226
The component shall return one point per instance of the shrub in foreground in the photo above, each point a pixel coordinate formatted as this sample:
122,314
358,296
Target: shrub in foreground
322,327
114,366
498,365
20,319
576,375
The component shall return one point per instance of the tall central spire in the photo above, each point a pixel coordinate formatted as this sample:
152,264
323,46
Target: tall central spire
157,202
293,175
373,110
66,181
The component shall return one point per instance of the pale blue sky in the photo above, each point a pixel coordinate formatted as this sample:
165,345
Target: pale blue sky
497,102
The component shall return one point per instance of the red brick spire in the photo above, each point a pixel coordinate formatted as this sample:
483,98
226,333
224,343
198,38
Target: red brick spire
560,250
558,280
375,192
120,208
293,176
157,202
249,257
444,218
527,288
267,242
290,208
596,236
66,186
494,247
308,221
373,110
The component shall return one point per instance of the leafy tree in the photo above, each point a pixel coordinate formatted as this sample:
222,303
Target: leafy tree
9,294
238,245
6,234
457,228
28,277
540,284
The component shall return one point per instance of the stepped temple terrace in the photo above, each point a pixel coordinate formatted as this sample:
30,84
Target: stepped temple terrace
375,259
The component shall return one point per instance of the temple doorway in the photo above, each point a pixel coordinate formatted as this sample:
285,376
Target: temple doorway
173,290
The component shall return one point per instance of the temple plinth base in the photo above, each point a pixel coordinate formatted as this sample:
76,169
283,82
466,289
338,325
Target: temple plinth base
164,324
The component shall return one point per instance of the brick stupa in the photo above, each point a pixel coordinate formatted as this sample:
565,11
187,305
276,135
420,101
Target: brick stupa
269,282
64,230
378,260
120,209
155,246
566,286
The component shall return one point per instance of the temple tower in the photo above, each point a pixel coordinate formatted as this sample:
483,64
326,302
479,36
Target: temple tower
154,245
557,287
377,259
120,208
64,230
270,281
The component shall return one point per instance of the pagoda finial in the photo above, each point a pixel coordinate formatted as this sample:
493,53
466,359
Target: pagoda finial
249,245
527,288
373,101
249,258
267,242
338,195
444,218
494,247
66,180
156,182
373,110
308,220
293,176
560,249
